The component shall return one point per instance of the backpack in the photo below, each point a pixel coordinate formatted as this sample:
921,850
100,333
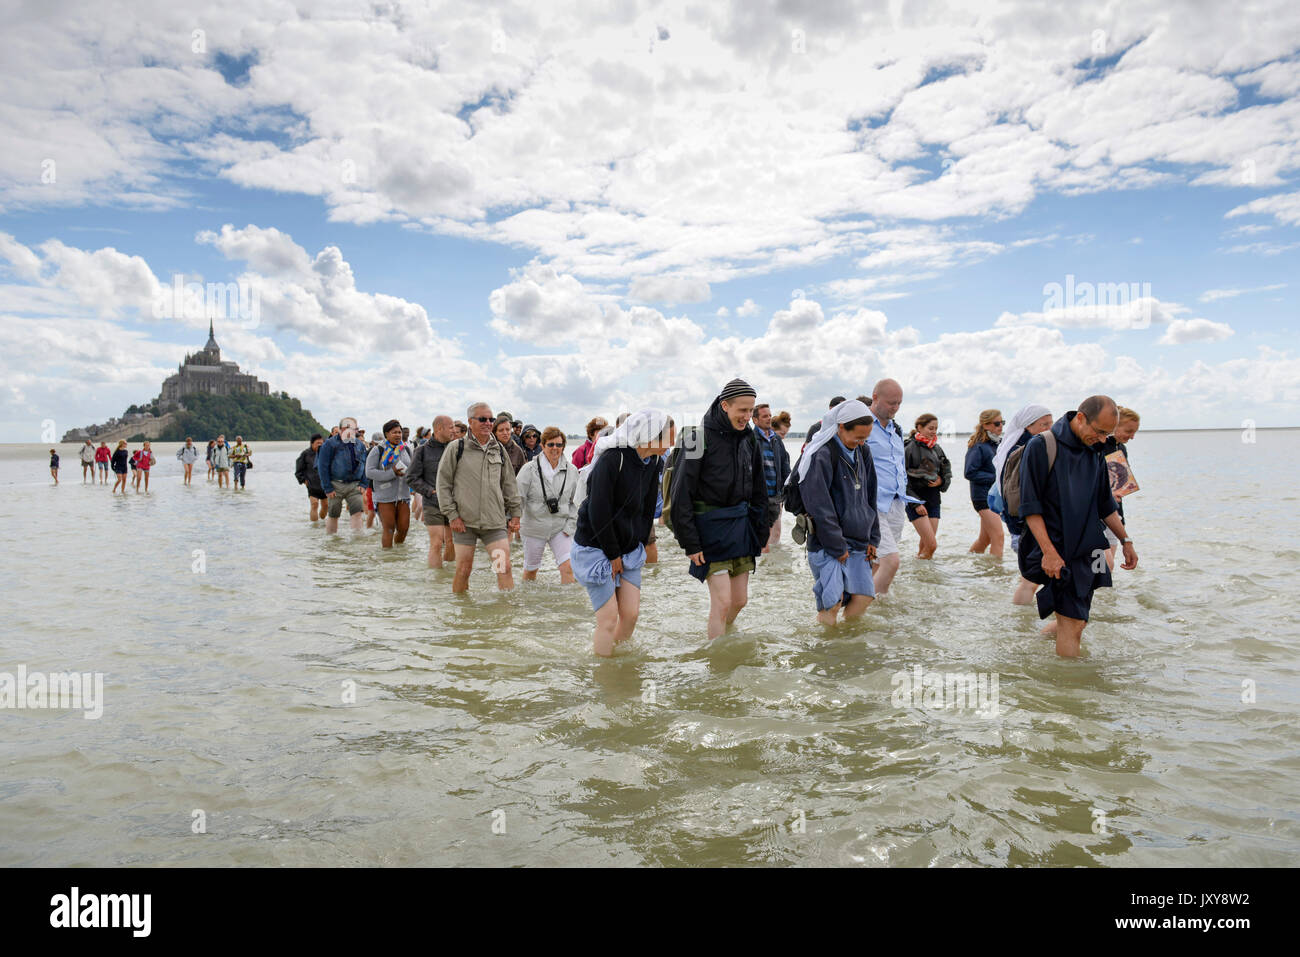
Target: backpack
670,467
1011,473
670,470
794,498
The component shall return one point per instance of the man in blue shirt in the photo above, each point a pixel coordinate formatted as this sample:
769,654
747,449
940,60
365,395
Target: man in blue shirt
341,465
776,467
886,445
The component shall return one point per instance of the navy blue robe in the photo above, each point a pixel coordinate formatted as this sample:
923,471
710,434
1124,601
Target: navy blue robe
1071,499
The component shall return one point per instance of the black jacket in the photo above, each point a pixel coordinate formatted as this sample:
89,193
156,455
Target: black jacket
422,476
305,469
924,464
617,513
729,471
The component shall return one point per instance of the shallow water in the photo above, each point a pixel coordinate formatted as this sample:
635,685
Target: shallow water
485,732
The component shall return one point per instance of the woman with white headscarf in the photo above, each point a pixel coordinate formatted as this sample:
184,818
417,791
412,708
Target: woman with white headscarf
1024,425
837,484
614,520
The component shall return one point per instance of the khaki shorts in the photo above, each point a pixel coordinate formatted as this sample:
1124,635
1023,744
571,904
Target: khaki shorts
433,515
349,492
472,536
732,566
891,528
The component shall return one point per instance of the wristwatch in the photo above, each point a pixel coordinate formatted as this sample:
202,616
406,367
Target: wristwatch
1126,541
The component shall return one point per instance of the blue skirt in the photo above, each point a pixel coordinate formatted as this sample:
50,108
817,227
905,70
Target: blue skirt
835,582
592,568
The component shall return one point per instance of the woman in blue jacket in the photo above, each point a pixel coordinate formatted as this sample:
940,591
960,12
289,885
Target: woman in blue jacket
980,449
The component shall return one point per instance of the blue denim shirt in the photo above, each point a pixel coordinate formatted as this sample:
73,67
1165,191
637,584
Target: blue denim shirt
891,472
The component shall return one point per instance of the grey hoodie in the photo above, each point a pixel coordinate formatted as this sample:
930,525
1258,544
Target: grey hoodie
385,484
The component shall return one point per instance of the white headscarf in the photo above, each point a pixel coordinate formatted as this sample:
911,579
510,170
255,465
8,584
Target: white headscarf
1024,418
640,428
831,421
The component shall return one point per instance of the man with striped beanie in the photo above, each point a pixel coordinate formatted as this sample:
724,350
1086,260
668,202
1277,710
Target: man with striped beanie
719,502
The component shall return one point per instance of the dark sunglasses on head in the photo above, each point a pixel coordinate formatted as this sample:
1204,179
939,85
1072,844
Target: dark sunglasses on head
555,445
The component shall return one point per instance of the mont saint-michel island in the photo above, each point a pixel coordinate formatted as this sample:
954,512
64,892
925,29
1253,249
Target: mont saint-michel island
205,396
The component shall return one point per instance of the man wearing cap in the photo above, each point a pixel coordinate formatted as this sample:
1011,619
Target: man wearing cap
719,502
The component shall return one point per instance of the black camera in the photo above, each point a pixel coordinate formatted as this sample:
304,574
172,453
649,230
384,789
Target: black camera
553,504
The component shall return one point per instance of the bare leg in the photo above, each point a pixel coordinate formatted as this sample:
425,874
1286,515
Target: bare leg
435,545
990,534
829,616
857,605
928,544
652,554
719,604
739,596
464,565
530,576
1024,593
403,517
1110,558
387,512
885,571
566,573
356,519
603,637
499,551
1069,634
628,597
448,547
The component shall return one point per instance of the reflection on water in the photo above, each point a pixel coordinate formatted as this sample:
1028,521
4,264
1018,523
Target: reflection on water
324,703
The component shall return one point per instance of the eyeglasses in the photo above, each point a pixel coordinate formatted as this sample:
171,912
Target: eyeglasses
481,418
555,445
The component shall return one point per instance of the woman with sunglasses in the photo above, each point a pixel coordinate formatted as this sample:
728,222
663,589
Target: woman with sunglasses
546,487
980,449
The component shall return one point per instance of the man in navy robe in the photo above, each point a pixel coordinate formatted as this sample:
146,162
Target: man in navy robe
1066,550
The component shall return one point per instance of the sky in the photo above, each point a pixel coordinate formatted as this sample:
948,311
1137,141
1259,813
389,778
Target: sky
392,210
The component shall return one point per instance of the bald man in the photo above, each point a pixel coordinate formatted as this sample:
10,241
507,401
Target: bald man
1064,490
423,478
886,445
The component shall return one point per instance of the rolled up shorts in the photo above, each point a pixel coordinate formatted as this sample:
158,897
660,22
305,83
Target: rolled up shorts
535,548
732,566
891,528
349,492
472,536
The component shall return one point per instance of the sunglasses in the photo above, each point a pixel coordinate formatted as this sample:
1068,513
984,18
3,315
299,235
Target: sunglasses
555,445
999,423
481,418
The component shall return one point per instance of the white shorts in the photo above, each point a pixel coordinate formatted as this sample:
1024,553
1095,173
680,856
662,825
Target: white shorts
535,547
891,528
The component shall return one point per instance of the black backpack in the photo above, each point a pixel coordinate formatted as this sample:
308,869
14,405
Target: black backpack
794,497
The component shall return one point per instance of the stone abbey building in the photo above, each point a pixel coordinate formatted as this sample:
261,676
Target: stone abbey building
203,371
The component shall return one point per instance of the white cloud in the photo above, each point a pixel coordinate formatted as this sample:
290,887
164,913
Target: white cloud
618,156
1195,330
1214,295
669,290
747,308
1284,207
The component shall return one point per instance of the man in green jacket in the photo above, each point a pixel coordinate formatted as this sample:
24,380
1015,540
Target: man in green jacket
478,495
